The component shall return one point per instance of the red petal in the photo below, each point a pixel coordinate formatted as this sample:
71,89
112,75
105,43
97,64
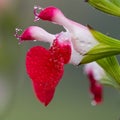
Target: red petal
26,35
48,13
45,96
44,70
95,89
60,49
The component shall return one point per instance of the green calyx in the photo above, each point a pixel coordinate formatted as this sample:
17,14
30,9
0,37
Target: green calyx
106,47
109,6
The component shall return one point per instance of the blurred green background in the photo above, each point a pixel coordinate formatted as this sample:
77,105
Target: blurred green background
71,100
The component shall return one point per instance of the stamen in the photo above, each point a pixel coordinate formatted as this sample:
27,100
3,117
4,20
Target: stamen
36,11
16,34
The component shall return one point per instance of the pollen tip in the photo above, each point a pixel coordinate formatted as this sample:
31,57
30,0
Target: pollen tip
36,11
20,41
16,34
36,18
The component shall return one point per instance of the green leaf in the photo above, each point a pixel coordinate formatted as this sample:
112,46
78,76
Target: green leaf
116,2
99,52
102,38
108,6
108,80
111,66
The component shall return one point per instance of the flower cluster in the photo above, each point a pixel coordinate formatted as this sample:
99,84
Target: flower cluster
45,67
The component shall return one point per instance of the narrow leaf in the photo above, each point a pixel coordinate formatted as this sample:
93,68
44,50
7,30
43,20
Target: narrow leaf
108,6
111,66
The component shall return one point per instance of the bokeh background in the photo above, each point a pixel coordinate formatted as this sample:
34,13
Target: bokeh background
71,100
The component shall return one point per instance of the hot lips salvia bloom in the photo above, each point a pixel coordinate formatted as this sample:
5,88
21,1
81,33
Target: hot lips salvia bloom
44,66
95,74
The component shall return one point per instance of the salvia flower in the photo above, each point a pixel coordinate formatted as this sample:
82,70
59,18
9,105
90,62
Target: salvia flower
44,66
95,74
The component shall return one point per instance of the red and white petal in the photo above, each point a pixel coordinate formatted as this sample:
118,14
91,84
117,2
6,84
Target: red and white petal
61,47
45,71
46,13
95,73
43,68
35,33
